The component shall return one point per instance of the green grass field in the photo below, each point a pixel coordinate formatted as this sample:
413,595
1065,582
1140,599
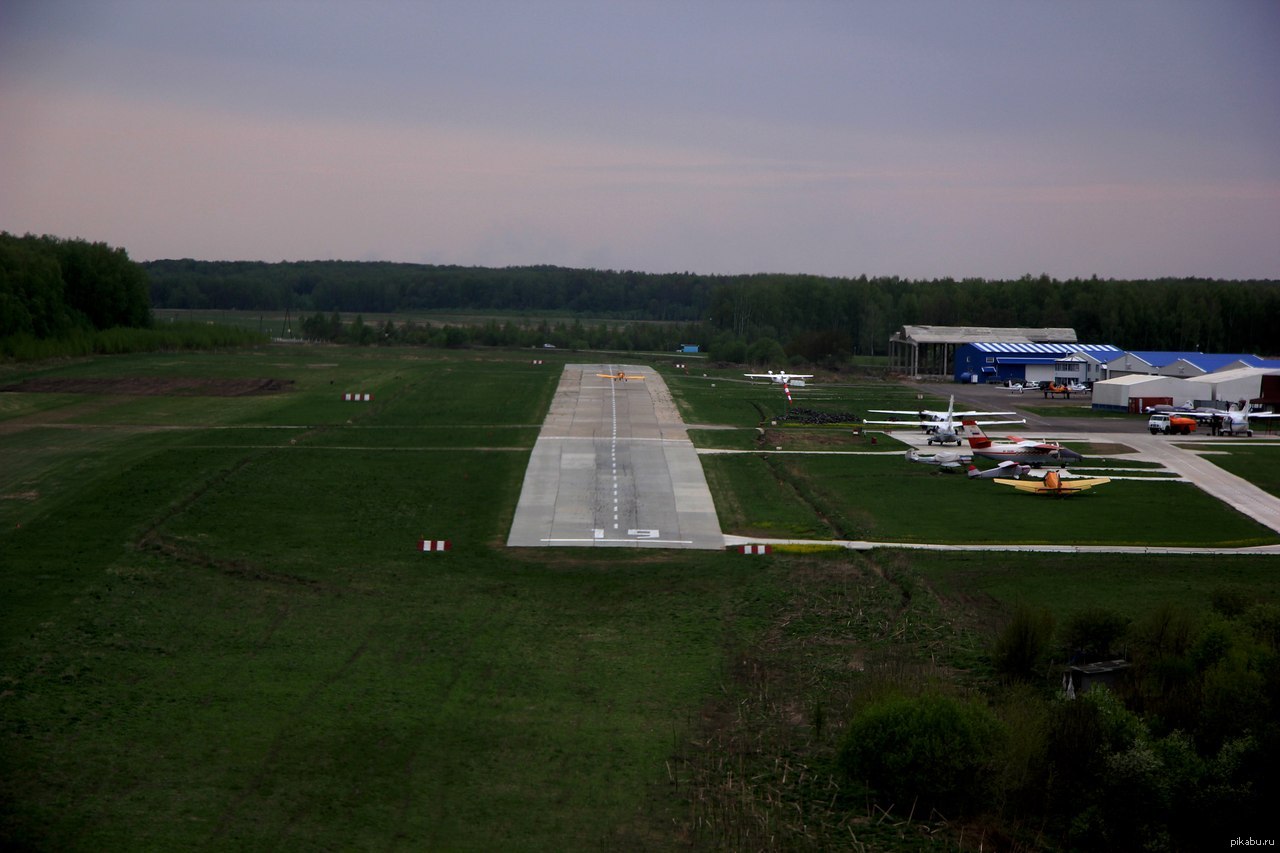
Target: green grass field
218,632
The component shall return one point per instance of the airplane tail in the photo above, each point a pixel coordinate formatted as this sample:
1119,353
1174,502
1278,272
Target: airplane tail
977,438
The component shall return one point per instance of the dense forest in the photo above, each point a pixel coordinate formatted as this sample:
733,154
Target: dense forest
813,318
51,287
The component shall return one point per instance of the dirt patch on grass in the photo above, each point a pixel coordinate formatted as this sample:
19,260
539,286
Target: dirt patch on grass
148,386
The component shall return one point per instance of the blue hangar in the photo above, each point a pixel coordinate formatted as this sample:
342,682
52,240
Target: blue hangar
984,354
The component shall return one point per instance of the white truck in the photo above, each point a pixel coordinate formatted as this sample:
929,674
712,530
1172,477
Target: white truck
1170,423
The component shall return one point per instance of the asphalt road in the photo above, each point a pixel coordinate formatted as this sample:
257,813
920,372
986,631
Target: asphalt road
613,467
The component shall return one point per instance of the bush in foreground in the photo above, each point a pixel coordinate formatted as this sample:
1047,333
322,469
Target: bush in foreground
922,753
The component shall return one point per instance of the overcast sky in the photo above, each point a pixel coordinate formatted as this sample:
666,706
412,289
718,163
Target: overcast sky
919,138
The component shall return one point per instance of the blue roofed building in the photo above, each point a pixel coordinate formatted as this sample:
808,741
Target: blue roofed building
1063,362
1181,363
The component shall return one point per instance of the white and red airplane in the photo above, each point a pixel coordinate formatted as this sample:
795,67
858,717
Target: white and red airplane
1025,451
782,378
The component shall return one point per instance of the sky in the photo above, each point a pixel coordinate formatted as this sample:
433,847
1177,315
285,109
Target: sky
916,138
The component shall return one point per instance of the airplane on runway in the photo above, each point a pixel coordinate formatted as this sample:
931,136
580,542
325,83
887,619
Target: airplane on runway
782,378
1033,453
947,461
1055,485
943,427
1007,468
621,376
1234,420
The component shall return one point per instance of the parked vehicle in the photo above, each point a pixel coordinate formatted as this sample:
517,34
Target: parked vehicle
1166,423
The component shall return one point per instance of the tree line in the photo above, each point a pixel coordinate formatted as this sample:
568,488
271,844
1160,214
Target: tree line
51,287
812,318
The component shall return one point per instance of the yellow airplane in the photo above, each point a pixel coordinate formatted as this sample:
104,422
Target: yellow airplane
620,376
1054,485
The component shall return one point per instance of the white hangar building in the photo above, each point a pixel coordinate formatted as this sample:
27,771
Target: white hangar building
1135,392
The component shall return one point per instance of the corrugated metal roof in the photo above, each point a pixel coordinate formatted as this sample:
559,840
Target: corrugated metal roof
1051,350
970,334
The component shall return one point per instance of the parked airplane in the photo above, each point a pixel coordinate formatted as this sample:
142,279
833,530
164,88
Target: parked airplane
943,427
621,376
1053,484
947,461
1007,468
1234,420
1033,453
782,378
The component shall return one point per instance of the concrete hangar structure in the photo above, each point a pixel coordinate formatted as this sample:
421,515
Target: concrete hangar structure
985,354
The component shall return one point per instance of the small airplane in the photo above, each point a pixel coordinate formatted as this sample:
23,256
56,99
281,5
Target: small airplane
782,378
1007,468
1025,451
621,376
1234,420
943,427
945,460
1054,484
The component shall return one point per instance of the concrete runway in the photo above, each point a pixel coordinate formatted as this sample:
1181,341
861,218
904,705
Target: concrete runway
613,467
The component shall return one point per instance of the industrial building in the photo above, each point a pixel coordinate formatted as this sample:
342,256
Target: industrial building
1254,386
988,354
1123,381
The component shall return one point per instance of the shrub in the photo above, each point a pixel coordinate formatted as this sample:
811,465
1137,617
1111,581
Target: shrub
927,752
1023,645
1094,634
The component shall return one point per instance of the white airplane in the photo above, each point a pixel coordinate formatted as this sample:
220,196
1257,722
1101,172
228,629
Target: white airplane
782,378
1234,420
945,460
1007,468
943,427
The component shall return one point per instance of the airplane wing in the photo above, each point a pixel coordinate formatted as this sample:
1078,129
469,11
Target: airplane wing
1000,423
1064,487
984,415
1021,485
1082,484
903,423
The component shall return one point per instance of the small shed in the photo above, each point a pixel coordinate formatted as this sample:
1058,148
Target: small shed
1082,678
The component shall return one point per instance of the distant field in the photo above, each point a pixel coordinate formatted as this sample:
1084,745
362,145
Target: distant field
219,634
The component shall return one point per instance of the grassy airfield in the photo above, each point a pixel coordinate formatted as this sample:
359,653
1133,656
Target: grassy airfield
218,632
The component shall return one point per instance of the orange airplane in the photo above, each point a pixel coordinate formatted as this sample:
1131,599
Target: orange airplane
621,376
1054,484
